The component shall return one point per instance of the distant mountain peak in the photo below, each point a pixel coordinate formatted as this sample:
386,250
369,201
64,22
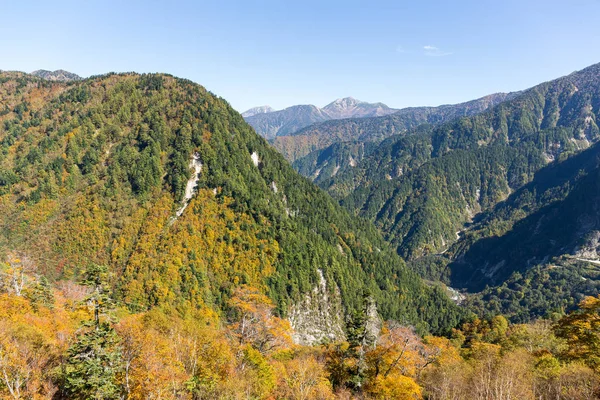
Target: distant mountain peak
290,120
58,75
343,103
257,110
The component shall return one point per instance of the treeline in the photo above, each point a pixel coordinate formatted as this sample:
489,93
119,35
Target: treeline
75,341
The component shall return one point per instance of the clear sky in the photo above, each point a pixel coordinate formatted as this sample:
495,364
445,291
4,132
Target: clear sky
281,53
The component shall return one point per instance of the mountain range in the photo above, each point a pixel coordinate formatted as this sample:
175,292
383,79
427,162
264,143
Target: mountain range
153,245
167,186
424,187
319,136
270,124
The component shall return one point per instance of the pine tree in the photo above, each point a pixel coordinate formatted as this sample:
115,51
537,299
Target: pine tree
93,365
94,360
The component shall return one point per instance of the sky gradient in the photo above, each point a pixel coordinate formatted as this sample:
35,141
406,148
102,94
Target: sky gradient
281,53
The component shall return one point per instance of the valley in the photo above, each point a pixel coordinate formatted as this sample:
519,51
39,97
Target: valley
141,216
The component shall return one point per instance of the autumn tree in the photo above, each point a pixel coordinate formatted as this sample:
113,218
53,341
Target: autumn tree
581,330
304,378
254,323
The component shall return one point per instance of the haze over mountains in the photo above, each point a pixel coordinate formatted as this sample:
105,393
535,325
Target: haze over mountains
321,135
269,123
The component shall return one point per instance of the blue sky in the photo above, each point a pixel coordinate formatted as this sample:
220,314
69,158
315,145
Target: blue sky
403,53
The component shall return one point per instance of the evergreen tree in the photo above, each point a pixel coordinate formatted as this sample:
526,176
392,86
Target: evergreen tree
94,364
41,293
94,359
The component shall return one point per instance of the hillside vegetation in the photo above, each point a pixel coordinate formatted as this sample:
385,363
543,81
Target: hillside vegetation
96,171
420,189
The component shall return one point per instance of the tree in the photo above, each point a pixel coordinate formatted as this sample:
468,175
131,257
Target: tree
581,330
94,364
254,322
150,367
94,360
304,378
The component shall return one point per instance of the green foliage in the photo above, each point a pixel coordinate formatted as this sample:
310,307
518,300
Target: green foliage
93,365
420,188
95,170
526,248
41,293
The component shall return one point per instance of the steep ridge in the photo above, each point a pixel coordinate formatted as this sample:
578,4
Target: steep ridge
420,189
539,250
322,135
95,171
349,107
283,122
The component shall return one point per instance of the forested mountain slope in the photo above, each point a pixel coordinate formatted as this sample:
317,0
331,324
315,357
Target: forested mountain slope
165,184
538,251
421,189
319,136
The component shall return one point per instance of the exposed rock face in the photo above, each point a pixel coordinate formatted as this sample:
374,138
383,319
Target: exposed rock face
351,108
58,75
591,249
319,316
255,158
373,324
190,187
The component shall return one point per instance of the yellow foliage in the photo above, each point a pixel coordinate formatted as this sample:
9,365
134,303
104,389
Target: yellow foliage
394,386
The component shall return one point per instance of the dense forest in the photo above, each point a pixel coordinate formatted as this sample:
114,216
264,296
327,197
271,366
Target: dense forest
466,166
97,171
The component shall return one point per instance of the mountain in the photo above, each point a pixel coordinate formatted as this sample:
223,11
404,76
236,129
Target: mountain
539,250
270,125
351,108
58,75
322,135
292,119
257,110
166,185
420,189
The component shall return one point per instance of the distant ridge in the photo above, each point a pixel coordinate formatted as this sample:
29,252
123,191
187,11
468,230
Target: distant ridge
257,110
270,123
59,75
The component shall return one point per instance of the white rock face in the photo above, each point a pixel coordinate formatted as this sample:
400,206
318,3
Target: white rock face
373,324
190,187
255,159
455,295
319,316
274,187
590,250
